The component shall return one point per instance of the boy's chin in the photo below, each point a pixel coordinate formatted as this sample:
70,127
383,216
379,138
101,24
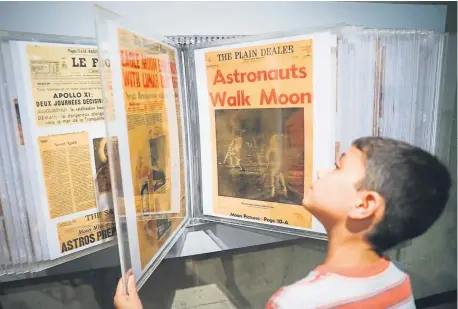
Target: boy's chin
313,207
307,202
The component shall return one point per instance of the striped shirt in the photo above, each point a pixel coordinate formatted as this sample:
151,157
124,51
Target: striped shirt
381,285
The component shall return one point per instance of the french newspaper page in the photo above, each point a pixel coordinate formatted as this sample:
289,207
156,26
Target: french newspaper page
63,132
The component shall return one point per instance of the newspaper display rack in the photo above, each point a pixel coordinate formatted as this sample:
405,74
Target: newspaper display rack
134,136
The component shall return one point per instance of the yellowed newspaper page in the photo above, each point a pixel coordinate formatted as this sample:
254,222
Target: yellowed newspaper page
154,232
61,114
153,123
147,122
261,124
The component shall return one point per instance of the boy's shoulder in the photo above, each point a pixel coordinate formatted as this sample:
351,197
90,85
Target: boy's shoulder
326,287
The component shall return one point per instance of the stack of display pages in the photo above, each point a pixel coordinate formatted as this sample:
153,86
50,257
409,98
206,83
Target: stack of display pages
55,181
133,135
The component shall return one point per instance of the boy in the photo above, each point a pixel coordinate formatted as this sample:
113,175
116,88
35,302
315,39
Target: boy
381,193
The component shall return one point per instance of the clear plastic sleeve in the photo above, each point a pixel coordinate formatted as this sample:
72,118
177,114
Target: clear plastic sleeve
144,103
249,128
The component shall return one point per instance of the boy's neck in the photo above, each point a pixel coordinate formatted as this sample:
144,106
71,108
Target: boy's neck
349,251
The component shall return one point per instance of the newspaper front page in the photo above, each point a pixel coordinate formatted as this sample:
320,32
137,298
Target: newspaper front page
160,229
148,127
147,123
61,116
259,109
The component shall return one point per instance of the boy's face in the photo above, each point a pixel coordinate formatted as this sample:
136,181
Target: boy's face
333,195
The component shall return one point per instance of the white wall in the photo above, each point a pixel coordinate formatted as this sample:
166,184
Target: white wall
171,18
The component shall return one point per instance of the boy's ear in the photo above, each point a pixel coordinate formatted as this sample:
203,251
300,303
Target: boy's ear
368,205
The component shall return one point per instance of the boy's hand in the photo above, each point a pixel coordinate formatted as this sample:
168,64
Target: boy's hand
129,300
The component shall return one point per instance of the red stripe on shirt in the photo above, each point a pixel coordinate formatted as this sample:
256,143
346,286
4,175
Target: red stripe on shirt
386,297
405,301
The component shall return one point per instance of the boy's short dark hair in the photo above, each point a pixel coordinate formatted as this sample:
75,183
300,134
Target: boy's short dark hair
414,184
